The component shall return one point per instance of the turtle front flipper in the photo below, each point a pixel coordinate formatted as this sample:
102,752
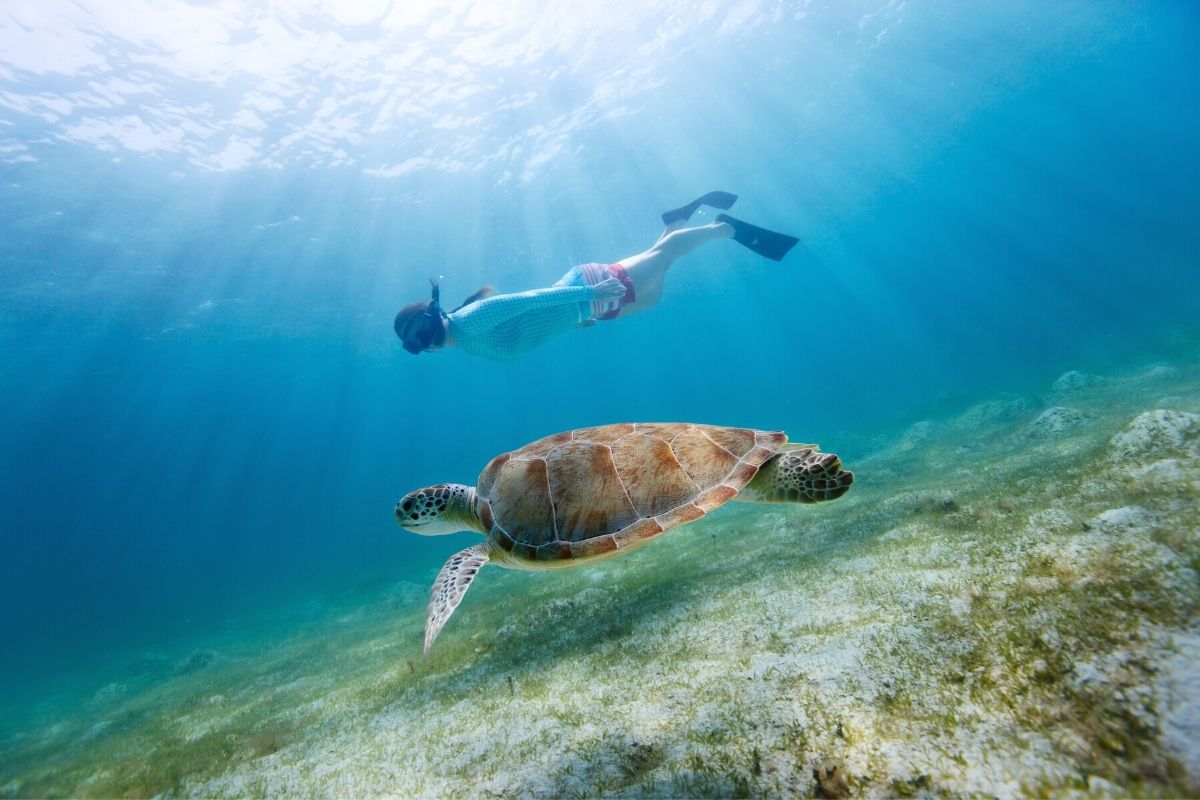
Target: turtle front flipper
451,584
801,475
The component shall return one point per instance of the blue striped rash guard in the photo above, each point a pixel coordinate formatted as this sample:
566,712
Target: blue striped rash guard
506,325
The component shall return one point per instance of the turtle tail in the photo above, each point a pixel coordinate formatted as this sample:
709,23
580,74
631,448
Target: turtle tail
802,475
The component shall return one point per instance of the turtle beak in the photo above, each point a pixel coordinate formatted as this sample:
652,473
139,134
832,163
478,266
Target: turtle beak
420,512
415,515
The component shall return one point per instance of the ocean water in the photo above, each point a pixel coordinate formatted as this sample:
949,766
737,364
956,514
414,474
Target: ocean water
211,213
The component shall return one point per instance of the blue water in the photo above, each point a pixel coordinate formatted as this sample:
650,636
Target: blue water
206,415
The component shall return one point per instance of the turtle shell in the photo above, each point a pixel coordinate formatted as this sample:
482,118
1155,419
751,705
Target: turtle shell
593,491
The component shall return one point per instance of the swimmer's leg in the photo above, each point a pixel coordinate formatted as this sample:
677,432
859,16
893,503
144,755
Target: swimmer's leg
647,269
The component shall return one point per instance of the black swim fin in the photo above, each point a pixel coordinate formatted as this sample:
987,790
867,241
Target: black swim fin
767,244
721,200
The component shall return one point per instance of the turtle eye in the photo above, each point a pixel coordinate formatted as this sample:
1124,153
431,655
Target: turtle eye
407,505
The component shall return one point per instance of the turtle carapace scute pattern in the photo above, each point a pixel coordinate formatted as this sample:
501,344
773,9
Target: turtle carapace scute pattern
595,490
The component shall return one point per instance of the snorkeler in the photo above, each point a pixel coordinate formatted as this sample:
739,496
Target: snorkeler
503,326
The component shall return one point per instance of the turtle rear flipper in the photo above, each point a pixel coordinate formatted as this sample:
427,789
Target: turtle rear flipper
804,475
451,584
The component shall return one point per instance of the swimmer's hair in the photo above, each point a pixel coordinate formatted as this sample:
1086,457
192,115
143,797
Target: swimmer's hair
405,314
484,292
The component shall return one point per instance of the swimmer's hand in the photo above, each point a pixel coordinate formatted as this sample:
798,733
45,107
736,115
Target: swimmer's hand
610,289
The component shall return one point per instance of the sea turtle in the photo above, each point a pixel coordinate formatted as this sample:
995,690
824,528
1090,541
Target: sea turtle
583,495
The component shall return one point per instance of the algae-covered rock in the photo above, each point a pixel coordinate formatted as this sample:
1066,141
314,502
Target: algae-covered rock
1158,433
1073,381
992,412
1176,696
1168,474
1125,519
1054,422
915,435
1162,371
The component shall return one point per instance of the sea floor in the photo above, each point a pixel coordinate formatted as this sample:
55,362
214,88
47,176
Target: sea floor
1007,603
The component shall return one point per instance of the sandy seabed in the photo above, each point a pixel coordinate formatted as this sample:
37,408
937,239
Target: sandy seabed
1007,603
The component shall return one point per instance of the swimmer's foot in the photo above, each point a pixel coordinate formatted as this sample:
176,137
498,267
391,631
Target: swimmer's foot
721,200
767,244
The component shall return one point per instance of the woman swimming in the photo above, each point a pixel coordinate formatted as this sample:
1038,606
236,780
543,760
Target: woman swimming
503,326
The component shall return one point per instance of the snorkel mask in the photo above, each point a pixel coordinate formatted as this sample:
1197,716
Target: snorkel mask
425,328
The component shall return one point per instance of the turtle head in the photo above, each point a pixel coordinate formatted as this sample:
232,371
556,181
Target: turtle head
440,509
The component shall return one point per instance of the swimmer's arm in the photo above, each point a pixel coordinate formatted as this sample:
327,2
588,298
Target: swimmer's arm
501,308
